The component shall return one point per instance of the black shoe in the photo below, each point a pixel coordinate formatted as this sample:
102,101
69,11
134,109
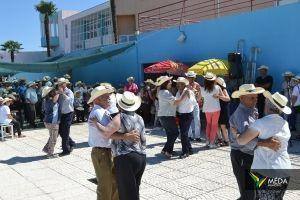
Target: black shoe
191,139
184,155
198,139
191,152
64,154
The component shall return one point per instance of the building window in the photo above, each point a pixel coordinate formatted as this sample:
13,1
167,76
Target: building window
66,30
90,30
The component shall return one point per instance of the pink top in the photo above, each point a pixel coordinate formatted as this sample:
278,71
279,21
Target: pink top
131,88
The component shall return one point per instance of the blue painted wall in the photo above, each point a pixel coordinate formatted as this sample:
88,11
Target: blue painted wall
275,30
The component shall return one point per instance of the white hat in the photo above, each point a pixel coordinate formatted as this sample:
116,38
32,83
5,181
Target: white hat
191,74
149,81
1,99
247,89
62,80
31,83
263,67
162,79
288,73
46,91
6,99
78,83
128,101
210,76
182,80
98,91
46,78
221,82
130,79
279,101
296,78
67,76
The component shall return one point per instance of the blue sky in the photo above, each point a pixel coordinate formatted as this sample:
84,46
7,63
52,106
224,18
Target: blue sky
20,21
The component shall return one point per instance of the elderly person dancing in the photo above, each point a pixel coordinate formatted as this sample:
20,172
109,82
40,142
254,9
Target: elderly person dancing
52,113
269,126
185,114
242,155
167,112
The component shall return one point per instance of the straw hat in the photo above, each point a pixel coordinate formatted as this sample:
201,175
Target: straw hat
288,74
149,81
263,67
128,101
296,78
162,79
1,100
247,89
67,76
130,79
279,101
191,74
78,83
221,82
210,76
6,99
31,83
46,78
98,91
62,80
46,91
182,80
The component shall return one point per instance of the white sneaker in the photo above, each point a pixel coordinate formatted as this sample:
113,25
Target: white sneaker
212,146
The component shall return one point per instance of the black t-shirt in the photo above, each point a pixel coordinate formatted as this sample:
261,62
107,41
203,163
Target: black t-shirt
262,81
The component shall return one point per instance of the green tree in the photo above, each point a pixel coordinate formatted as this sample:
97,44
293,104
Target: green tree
12,47
46,9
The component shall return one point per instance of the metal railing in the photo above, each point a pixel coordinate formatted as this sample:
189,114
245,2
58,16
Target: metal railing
191,11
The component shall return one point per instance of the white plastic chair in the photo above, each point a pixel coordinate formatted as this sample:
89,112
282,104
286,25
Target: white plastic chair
3,132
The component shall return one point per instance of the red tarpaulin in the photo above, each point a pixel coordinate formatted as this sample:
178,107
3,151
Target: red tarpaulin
168,66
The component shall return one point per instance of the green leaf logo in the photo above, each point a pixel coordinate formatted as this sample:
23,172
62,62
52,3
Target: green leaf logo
258,182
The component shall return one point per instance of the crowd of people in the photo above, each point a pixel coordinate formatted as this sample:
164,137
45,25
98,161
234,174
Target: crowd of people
259,123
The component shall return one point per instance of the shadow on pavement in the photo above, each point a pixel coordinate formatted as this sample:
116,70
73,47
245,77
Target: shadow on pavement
17,159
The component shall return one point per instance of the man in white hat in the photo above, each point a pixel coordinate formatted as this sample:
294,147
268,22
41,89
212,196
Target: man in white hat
31,99
131,86
265,81
287,84
242,155
101,142
195,130
66,100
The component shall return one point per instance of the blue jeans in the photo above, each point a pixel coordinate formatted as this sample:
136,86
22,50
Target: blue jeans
195,129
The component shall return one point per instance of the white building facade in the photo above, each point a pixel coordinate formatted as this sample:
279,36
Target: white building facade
72,30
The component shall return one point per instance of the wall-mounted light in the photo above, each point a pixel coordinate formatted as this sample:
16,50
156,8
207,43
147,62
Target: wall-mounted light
182,37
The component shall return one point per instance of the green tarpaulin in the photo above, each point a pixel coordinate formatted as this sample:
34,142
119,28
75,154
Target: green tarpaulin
61,65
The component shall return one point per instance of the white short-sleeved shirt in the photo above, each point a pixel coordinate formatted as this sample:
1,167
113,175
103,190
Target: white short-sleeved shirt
265,158
96,138
187,105
4,112
166,103
210,103
296,92
113,104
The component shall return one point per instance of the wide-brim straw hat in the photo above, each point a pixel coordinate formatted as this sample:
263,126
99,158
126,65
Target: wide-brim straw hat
279,101
296,78
191,74
99,91
182,80
78,83
6,99
288,74
150,81
46,78
31,84
247,89
161,80
67,76
221,82
46,91
263,67
130,79
210,76
128,101
62,80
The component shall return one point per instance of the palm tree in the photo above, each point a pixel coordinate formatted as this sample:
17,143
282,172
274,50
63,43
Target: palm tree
12,47
46,9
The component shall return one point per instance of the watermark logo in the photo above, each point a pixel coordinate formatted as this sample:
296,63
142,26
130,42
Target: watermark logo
259,181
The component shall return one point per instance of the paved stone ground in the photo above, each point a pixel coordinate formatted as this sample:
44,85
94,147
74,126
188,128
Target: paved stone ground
25,173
